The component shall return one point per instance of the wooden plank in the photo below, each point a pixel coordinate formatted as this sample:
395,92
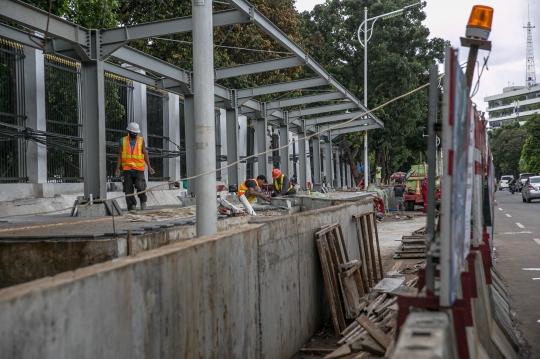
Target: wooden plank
378,246
326,229
316,351
366,250
339,352
331,288
363,270
410,256
372,249
375,332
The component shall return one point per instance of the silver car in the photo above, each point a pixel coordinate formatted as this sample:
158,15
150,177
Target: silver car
503,183
531,189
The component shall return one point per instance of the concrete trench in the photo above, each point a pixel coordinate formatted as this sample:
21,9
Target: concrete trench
251,291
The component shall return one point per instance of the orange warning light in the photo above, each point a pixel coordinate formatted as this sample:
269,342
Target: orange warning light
479,25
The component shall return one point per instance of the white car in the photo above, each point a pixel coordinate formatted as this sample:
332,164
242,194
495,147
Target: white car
503,183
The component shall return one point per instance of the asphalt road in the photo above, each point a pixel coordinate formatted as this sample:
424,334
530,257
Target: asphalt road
517,244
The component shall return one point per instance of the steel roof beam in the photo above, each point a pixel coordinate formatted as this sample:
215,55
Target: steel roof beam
20,36
281,87
329,96
267,26
332,118
36,19
112,39
257,67
322,109
341,131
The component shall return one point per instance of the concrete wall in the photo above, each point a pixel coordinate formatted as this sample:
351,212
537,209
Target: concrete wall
253,292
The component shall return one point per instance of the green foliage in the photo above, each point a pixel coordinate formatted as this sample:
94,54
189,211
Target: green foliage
506,144
530,156
398,55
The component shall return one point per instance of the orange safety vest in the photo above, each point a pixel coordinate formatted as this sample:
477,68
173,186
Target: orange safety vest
242,189
278,184
132,160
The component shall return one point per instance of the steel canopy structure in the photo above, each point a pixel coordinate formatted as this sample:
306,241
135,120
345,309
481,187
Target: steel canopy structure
94,47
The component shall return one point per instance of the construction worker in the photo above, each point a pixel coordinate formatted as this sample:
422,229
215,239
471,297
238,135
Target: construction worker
283,186
133,157
378,175
424,193
251,188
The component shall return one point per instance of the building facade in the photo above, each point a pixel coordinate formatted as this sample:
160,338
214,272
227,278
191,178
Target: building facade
515,103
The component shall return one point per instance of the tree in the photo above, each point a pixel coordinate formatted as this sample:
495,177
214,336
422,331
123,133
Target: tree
530,156
399,54
506,143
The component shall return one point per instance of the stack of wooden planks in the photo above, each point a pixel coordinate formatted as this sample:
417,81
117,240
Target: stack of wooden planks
411,247
371,334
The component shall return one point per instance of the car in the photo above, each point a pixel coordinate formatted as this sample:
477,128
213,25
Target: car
503,183
522,179
531,189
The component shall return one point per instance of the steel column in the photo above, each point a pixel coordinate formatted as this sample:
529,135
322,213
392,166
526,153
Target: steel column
316,142
34,101
189,120
338,170
173,133
284,152
205,127
302,160
328,164
94,146
232,146
261,126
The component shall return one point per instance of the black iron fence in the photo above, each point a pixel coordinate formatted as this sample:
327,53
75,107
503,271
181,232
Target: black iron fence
155,115
12,148
62,112
118,113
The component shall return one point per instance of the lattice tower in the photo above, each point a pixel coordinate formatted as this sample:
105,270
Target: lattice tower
530,78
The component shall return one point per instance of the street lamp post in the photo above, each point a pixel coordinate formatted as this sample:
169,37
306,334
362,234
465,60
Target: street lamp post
364,45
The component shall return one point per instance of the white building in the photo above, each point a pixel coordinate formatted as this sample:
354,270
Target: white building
514,104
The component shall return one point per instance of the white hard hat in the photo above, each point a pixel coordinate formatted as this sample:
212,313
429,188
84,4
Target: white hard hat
133,127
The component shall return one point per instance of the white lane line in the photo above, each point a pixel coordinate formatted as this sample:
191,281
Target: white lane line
531,268
507,215
522,232
520,225
537,240
536,278
500,209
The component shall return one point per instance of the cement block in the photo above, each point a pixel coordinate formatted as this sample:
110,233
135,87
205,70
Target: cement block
93,210
44,190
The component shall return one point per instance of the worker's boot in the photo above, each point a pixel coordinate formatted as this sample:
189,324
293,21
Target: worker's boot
143,205
133,207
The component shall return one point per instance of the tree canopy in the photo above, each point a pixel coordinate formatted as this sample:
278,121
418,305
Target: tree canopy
399,54
530,156
506,143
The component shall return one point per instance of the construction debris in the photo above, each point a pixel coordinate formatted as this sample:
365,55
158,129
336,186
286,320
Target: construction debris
411,247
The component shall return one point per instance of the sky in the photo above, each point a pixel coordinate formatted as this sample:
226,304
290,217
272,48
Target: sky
448,18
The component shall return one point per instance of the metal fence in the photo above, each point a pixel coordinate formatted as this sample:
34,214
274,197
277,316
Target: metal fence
155,114
62,112
118,113
12,148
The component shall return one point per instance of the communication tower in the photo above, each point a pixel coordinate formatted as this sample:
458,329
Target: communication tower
530,78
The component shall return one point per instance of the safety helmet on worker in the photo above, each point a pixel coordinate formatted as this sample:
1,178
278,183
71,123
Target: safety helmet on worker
133,127
276,173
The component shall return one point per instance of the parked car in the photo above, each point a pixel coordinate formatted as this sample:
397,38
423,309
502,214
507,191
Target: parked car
522,179
503,183
531,189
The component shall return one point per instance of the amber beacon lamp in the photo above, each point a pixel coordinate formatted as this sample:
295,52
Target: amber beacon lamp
476,36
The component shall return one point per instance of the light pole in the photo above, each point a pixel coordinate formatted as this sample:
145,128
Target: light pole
364,45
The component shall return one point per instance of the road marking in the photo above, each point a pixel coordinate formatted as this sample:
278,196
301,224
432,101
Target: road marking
522,232
500,209
531,268
396,265
536,278
520,225
507,215
537,240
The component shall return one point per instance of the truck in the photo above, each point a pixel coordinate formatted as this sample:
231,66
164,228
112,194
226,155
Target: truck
413,187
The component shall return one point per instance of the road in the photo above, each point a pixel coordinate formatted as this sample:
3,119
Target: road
517,244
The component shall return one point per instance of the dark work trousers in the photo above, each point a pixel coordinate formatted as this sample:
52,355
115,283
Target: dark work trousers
134,179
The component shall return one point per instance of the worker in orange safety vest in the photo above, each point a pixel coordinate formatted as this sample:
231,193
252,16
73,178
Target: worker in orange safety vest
251,188
133,157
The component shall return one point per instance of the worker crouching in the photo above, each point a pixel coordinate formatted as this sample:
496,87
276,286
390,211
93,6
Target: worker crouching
283,186
249,190
133,157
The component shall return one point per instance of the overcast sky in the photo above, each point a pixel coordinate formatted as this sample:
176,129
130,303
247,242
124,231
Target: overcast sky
448,18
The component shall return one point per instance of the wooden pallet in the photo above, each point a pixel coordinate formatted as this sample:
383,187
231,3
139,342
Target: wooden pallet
368,240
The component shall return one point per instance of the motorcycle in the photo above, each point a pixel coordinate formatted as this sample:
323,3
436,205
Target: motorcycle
513,188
